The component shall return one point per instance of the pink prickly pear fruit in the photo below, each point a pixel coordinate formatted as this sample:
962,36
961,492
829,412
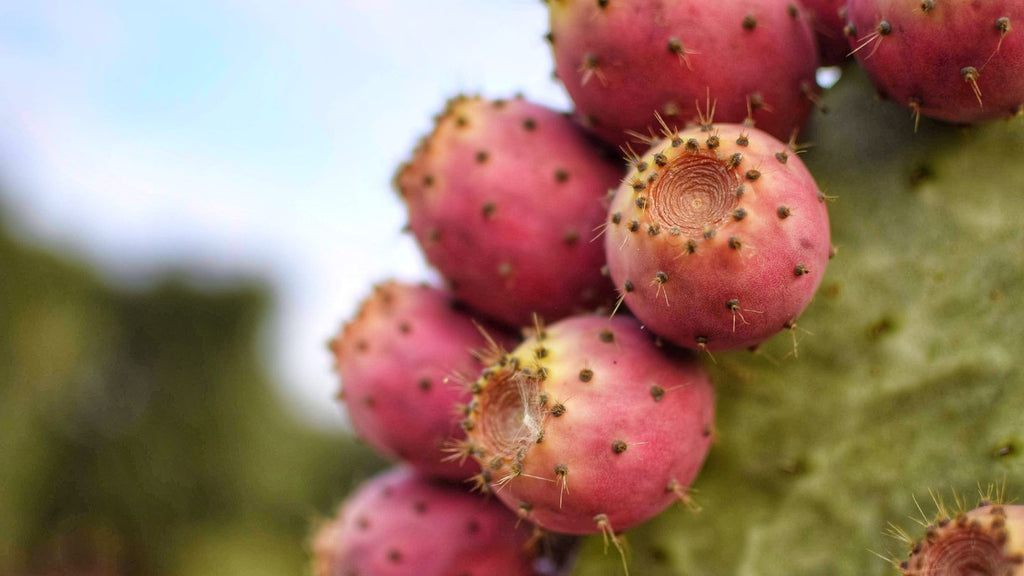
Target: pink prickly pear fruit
718,238
624,62
828,21
503,197
986,540
588,426
398,524
399,360
960,61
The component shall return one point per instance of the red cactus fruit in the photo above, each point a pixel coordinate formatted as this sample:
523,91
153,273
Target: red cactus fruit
718,237
960,61
396,359
503,197
624,61
590,427
987,540
827,21
397,524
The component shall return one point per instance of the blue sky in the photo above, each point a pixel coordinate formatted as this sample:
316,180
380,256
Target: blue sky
245,138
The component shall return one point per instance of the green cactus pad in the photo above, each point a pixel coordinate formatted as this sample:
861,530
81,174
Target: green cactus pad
907,379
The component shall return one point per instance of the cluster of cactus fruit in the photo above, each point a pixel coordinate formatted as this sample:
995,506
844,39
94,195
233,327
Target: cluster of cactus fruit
564,370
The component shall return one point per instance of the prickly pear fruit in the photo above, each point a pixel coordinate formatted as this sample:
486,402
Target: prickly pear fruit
827,21
623,62
718,237
398,524
503,197
395,359
988,540
960,61
589,427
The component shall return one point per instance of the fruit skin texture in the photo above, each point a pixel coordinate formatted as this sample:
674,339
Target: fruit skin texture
398,524
398,359
503,198
717,245
957,61
986,540
623,61
588,417
827,21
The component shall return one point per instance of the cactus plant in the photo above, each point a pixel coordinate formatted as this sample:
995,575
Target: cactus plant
901,378
907,378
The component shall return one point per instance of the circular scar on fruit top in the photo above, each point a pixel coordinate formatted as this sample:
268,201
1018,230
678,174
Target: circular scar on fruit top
694,193
512,416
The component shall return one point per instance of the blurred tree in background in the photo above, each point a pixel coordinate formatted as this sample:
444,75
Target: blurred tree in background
141,434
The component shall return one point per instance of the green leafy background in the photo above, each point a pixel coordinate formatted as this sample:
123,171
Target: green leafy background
140,434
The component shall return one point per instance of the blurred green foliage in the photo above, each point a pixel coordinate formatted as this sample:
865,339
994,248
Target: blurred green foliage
140,433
